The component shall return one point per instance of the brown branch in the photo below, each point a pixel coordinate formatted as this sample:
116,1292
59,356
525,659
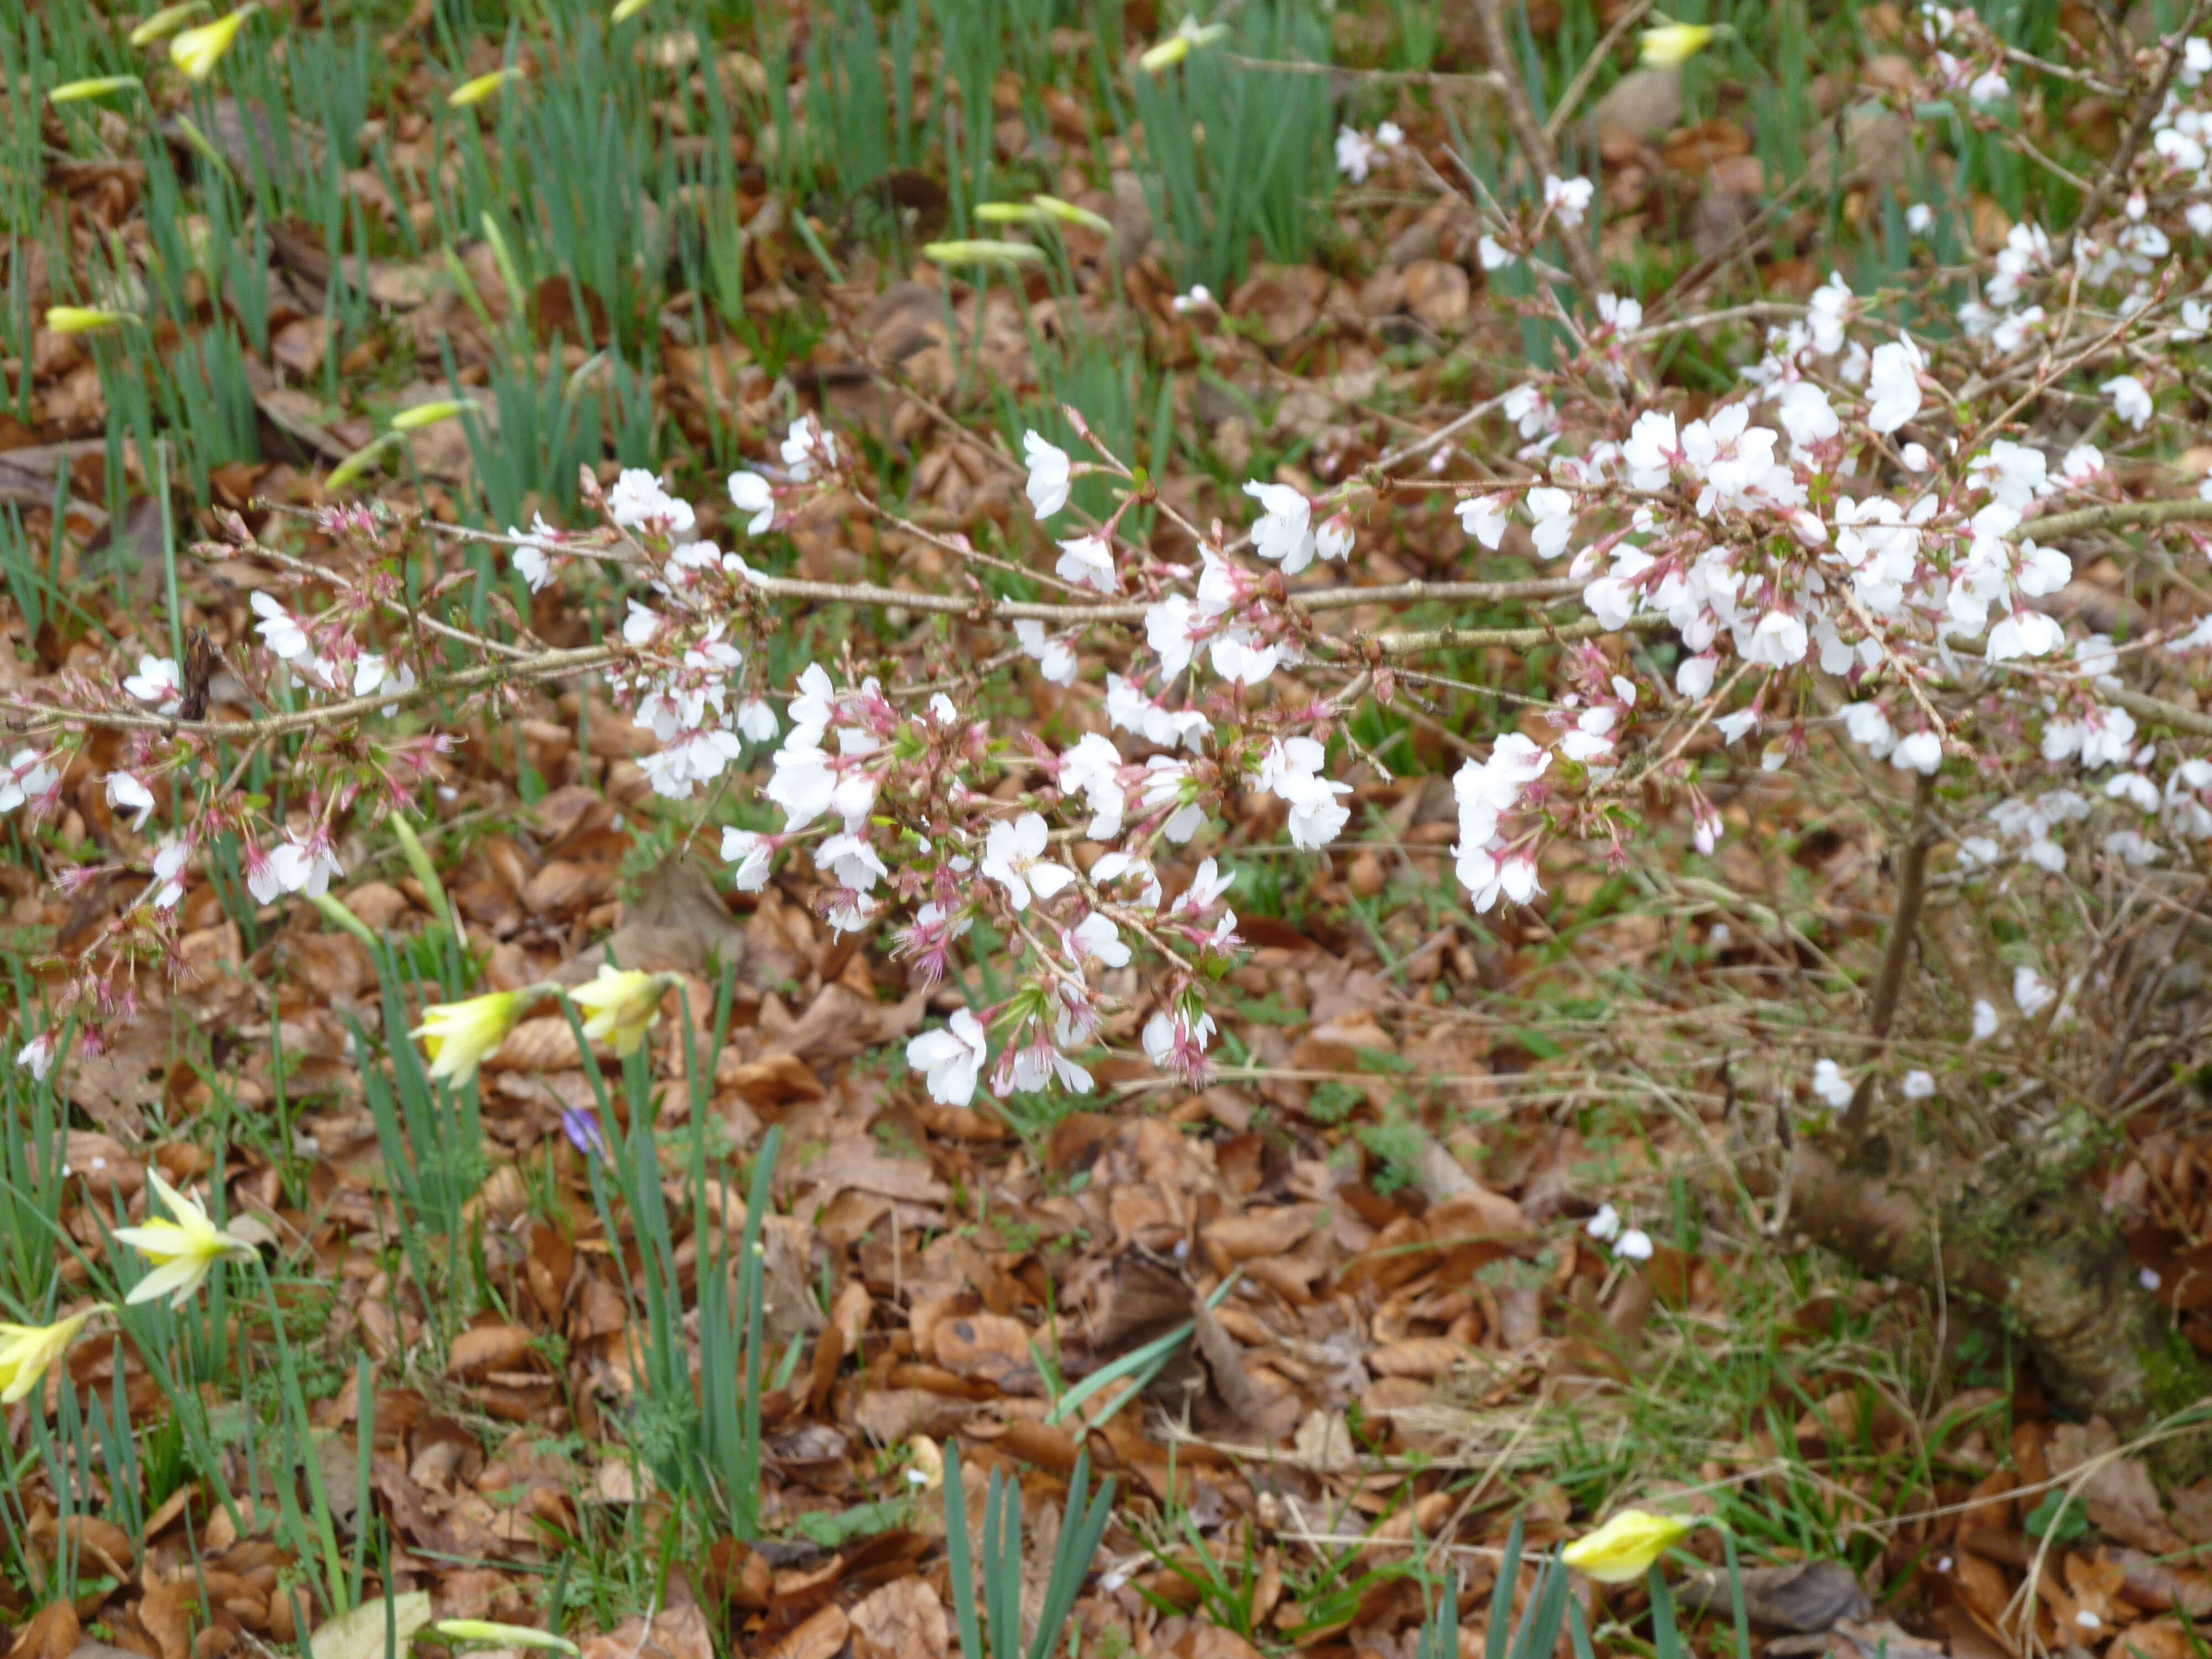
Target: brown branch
2147,109
1521,116
1905,924
551,664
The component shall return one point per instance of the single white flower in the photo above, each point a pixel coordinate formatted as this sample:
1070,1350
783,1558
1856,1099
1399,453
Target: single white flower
751,493
1635,1245
37,1056
1568,198
1355,154
1284,531
1013,856
1485,518
1048,475
127,794
279,630
2131,399
1097,938
1919,1085
157,681
1088,560
1605,1226
1986,1018
1055,659
2030,991
1894,384
753,855
952,1058
1830,1085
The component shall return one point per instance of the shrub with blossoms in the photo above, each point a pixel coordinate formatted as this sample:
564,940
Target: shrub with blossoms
1871,539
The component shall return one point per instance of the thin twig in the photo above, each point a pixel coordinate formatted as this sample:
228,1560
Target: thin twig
1521,115
1911,890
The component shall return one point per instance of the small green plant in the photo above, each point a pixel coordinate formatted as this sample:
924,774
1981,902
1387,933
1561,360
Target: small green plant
1238,153
997,1634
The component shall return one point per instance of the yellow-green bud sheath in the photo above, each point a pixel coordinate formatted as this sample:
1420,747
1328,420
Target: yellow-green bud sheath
418,861
981,252
1069,214
475,91
100,86
85,319
505,1636
164,23
429,414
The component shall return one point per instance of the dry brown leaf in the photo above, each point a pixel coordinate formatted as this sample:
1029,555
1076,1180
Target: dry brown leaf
679,1633
904,1620
819,1637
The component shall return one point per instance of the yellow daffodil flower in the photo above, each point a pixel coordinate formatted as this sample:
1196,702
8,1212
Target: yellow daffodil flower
164,23
458,1035
505,1636
622,1004
27,1350
1626,1546
198,50
981,252
84,320
1672,45
183,1251
73,91
476,91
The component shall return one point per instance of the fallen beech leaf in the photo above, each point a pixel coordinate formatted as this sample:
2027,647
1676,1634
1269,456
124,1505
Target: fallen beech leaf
906,1620
363,1633
1424,1356
819,1637
674,1633
52,1633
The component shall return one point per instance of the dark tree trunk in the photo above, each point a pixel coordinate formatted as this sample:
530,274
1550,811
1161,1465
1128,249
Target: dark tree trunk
2027,1236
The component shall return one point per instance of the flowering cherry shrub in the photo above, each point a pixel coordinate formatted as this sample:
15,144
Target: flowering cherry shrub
1871,540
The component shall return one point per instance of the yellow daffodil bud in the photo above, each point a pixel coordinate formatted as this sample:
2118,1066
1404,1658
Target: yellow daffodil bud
1069,214
458,1036
1672,45
981,252
84,320
164,23
476,91
198,50
1626,1546
622,1004
26,1352
422,414
626,9
183,1251
101,85
1178,47
1008,213
504,1636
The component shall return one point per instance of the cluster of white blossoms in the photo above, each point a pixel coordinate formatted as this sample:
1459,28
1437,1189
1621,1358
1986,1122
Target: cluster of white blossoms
1857,535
